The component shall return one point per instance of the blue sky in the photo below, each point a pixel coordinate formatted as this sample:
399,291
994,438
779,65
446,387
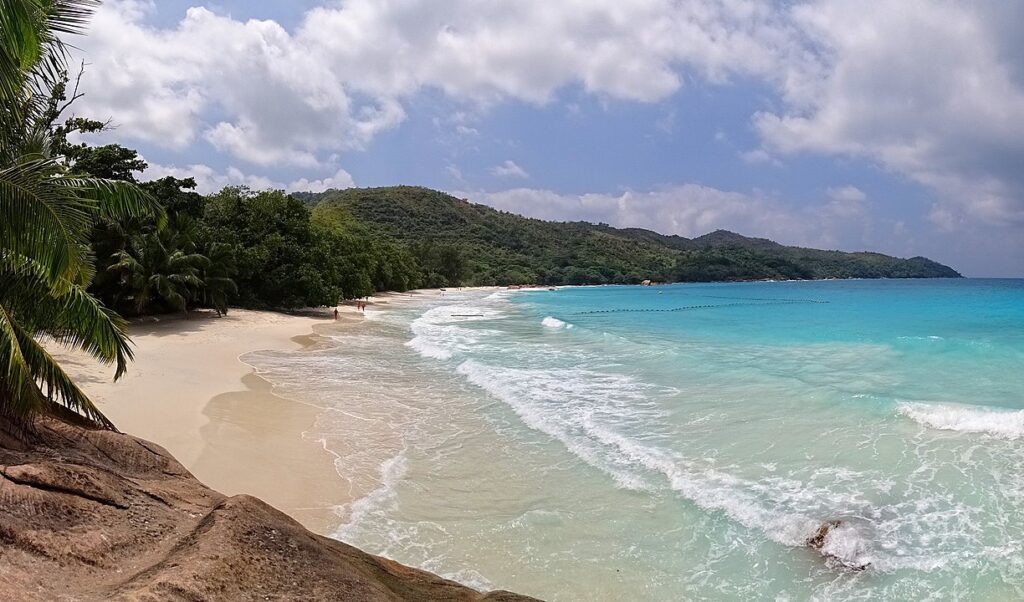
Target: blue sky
810,123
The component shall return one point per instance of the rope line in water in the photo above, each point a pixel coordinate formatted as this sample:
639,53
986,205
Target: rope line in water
694,307
761,299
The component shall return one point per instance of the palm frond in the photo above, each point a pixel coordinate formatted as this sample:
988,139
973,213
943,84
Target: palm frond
84,323
60,388
42,220
116,200
19,394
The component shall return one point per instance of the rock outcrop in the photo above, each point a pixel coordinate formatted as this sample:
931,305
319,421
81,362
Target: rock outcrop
97,515
842,552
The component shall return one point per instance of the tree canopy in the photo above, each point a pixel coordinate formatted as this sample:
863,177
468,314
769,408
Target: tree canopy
459,242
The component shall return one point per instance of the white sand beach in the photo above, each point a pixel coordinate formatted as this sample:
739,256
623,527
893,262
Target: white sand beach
188,391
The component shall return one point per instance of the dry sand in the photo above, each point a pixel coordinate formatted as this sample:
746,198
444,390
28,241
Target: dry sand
189,392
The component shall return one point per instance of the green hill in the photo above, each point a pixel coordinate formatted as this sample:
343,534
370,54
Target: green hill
459,242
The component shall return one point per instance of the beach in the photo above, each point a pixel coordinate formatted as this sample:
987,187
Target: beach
620,442
189,391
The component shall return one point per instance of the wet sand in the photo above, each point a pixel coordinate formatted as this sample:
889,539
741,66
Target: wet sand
188,391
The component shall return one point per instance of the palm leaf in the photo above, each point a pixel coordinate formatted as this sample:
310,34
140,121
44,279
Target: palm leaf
59,387
19,394
42,220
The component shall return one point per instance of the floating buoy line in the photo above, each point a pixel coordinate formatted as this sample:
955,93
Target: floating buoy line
706,306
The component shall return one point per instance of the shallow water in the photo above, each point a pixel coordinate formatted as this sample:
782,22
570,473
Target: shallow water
683,442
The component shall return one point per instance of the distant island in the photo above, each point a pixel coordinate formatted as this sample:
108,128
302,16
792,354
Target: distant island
460,242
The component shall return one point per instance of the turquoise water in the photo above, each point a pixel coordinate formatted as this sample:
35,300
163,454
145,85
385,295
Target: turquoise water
683,442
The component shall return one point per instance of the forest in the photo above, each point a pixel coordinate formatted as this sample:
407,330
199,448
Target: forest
271,250
454,241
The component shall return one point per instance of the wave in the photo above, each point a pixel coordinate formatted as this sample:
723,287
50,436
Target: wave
392,471
589,411
611,423
755,505
997,422
438,334
562,403
551,322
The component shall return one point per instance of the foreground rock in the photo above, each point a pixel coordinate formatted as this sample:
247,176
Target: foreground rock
90,515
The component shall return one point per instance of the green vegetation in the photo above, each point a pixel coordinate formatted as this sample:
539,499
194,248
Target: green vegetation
46,214
457,242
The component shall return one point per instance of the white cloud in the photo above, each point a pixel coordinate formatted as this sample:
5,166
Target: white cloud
267,95
277,100
509,169
846,202
209,180
758,156
846,193
455,173
341,179
931,90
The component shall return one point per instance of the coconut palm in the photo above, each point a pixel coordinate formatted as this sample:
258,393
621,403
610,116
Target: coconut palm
218,285
161,267
45,218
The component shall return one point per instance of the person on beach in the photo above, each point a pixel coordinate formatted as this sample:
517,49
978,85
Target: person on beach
335,313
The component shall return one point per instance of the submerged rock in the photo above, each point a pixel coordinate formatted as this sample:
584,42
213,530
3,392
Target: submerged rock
840,545
95,515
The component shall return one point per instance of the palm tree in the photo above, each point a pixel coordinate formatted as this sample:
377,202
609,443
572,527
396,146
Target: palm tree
45,218
218,286
161,267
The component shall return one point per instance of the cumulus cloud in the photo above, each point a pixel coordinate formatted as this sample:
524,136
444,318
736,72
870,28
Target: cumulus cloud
931,90
251,89
209,180
340,179
846,201
267,95
509,169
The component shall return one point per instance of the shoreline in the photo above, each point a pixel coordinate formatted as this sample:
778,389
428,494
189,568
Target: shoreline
189,391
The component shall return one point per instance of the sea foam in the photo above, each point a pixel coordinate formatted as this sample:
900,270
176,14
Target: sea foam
552,322
588,413
439,336
997,422
392,471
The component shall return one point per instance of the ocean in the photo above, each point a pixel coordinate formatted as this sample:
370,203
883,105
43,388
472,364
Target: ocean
684,442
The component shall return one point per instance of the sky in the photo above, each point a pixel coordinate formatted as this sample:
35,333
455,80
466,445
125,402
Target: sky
889,126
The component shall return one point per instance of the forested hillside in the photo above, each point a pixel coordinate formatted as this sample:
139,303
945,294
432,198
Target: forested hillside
459,242
268,249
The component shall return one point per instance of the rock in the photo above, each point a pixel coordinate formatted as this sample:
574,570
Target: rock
96,515
817,541
848,559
